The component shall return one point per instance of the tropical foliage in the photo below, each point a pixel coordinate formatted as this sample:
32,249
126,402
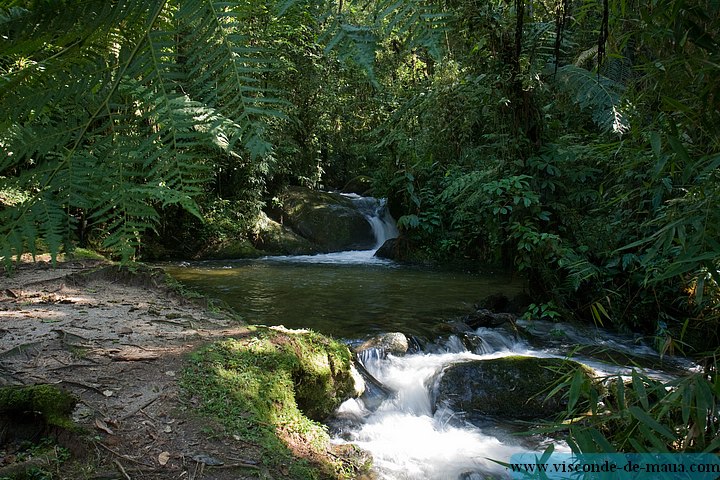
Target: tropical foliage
112,112
574,141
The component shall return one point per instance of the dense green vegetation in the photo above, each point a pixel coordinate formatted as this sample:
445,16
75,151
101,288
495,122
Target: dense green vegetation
576,141
503,132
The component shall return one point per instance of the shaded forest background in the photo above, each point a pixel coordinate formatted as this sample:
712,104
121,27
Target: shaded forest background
575,141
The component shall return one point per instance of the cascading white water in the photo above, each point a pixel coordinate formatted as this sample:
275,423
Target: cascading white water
408,440
376,213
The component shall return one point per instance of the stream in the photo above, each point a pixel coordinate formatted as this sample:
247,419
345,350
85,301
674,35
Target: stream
354,296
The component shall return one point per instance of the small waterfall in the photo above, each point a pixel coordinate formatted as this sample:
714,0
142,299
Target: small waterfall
383,227
411,436
377,214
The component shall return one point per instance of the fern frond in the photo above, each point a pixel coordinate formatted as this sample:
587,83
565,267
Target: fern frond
228,76
421,24
599,94
111,108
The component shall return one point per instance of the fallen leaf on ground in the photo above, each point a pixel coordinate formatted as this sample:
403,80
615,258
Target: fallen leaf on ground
163,458
103,426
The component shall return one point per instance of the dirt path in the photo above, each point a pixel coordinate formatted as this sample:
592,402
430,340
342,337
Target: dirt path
117,342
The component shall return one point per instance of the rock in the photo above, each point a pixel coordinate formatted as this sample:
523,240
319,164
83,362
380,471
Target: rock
486,318
276,239
510,387
328,220
378,347
397,249
395,343
285,374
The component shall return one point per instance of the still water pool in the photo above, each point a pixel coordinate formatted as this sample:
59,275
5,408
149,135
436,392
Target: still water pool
347,295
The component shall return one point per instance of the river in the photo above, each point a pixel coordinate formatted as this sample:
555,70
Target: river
353,296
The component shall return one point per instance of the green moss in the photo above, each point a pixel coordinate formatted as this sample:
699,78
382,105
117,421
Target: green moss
54,405
272,387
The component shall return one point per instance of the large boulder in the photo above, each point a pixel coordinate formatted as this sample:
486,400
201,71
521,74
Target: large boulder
514,387
328,220
276,239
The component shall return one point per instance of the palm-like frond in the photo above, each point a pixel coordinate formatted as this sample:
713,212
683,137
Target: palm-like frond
599,94
111,108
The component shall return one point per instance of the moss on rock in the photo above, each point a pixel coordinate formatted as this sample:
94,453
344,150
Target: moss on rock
273,386
275,238
51,403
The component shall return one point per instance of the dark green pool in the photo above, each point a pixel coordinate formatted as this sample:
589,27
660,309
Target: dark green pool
347,295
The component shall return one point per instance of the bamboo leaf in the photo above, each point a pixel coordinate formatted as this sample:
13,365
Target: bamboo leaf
651,423
639,388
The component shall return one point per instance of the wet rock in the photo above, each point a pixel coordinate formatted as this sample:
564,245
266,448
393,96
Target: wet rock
510,387
397,249
395,343
472,342
329,220
456,327
378,347
485,318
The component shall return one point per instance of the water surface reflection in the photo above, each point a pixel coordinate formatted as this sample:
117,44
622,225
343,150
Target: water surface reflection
346,299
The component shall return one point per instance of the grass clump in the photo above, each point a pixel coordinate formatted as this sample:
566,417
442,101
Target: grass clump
271,388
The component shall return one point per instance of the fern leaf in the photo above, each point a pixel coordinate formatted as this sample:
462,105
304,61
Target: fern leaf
598,94
110,108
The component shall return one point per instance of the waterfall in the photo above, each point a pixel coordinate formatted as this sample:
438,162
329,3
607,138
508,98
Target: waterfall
383,228
377,215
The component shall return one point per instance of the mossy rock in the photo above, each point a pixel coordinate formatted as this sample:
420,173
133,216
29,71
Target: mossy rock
285,370
514,387
276,239
272,386
328,220
30,412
